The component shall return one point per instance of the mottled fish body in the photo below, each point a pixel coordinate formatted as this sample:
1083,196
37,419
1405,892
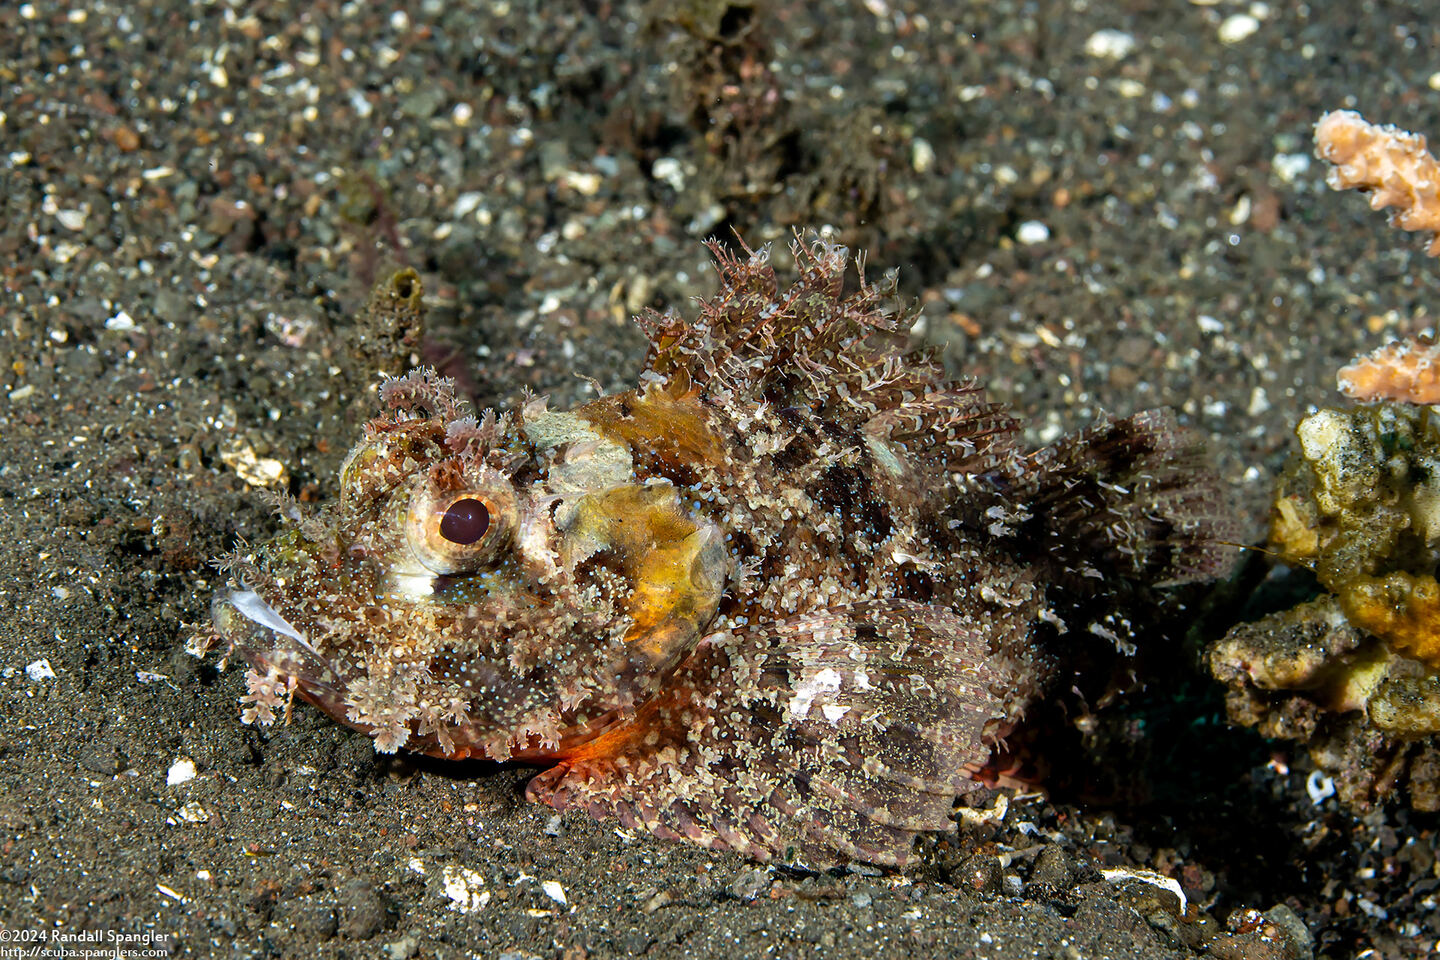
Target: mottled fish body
777,599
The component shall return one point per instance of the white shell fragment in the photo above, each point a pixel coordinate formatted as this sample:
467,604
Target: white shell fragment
1032,231
464,888
1237,28
1110,44
1320,787
240,456
193,812
1152,877
181,771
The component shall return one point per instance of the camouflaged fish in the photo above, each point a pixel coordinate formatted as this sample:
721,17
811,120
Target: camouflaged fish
781,598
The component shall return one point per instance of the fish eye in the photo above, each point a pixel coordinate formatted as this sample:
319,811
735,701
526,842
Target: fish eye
465,521
457,523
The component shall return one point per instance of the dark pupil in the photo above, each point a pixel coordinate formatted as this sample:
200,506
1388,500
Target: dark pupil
465,522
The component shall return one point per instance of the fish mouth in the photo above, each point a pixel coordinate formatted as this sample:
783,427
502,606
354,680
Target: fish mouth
265,638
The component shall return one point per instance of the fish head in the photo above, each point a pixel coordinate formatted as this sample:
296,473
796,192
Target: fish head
505,586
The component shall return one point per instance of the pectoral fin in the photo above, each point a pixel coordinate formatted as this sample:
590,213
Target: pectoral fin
834,736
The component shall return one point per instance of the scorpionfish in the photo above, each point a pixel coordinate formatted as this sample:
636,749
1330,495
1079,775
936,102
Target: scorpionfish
781,598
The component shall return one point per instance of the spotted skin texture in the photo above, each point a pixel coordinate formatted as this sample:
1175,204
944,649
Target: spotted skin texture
778,599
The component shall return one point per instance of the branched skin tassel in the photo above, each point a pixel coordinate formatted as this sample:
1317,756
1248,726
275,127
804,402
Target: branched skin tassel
773,600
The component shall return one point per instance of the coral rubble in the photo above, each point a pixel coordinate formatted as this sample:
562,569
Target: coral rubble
1355,673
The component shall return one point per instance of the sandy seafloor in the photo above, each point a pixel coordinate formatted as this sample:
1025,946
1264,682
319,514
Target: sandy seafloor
195,199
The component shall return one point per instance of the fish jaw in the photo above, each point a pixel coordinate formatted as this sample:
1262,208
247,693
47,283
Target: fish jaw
282,661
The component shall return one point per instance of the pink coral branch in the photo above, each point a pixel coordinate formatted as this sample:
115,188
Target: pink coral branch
1393,165
1407,371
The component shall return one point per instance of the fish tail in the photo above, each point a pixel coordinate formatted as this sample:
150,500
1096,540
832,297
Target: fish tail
1127,501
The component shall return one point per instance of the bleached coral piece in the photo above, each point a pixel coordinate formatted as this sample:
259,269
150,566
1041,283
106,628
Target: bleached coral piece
1394,165
1407,371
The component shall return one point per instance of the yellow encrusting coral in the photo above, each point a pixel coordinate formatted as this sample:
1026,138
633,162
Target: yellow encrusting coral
1354,674
1401,608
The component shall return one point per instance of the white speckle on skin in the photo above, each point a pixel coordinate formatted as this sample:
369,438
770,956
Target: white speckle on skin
826,681
413,586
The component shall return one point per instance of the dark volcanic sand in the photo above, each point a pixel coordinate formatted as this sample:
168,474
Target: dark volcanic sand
196,198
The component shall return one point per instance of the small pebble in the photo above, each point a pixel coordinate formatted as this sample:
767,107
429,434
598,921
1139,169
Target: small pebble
193,812
362,912
1053,869
315,923
749,884
980,873
122,322
464,888
1237,27
402,949
103,758
1110,44
922,155
1032,232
